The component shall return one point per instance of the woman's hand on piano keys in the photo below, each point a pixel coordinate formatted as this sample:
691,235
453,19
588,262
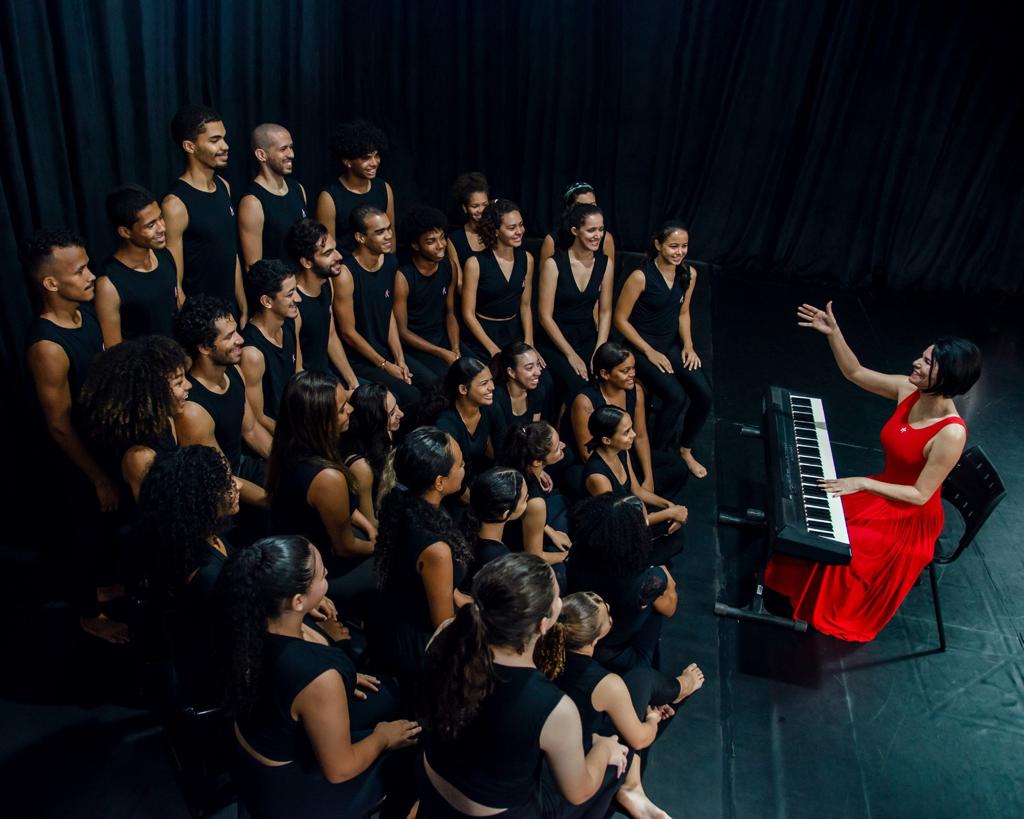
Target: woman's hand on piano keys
821,320
842,486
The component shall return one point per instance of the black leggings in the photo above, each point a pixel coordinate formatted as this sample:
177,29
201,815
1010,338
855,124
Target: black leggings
405,394
425,368
674,389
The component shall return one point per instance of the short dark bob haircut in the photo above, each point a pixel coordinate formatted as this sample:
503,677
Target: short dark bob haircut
959,363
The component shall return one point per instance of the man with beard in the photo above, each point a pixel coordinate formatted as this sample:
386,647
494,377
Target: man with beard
317,262
217,413
137,287
356,147
424,298
201,230
272,204
63,341
362,306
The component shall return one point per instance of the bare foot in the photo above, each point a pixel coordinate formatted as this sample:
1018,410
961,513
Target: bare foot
697,469
106,629
105,594
636,803
690,681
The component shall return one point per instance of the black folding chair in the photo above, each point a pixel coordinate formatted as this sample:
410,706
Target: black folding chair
974,489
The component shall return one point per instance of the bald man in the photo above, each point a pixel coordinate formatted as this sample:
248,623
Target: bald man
271,205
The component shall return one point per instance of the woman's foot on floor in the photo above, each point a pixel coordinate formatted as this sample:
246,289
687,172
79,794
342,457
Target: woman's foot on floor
104,628
690,681
637,804
697,469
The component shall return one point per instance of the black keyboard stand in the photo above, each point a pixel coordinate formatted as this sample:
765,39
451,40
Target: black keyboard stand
755,610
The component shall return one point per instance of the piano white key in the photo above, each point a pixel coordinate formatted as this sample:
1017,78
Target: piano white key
827,465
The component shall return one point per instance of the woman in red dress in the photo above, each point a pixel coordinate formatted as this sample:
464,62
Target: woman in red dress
894,518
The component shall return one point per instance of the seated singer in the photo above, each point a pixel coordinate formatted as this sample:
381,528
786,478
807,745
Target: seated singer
894,518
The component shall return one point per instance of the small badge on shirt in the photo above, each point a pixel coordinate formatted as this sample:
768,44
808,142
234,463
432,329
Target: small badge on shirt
303,212
231,210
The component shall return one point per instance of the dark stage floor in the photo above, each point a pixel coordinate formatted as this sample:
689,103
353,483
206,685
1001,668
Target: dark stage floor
787,725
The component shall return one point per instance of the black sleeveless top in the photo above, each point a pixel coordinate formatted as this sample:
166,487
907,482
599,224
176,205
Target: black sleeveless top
149,300
473,446
80,344
194,640
316,328
427,301
345,202
506,773
497,298
290,512
227,411
372,301
278,362
209,243
279,214
578,680
597,399
596,466
503,417
462,249
656,312
289,665
572,305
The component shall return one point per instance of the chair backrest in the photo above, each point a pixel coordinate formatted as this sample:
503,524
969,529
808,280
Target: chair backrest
975,489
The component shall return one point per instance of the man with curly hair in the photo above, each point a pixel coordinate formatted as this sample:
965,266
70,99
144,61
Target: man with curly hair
63,341
356,147
201,225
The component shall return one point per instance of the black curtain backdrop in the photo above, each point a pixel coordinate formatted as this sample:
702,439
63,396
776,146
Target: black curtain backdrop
863,143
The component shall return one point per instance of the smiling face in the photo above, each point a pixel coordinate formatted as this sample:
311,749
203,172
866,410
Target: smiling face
622,376
227,347
280,154
180,385
511,230
480,390
148,230
432,245
285,302
591,233
527,371
364,167
327,261
210,148
476,205
675,247
925,370
379,237
394,413
67,274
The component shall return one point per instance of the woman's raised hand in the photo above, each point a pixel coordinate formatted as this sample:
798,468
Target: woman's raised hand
821,320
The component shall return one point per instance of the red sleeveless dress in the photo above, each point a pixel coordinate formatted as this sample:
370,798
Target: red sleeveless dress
891,543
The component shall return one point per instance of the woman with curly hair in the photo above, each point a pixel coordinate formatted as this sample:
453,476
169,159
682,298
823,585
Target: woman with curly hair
356,147
421,555
615,384
311,491
186,502
369,440
497,284
300,749
470,193
129,402
531,448
613,558
490,716
632,706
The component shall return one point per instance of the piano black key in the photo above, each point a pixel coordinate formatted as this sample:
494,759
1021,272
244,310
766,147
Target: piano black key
820,517
817,503
811,471
815,493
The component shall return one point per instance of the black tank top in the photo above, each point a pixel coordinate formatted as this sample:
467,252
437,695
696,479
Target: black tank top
227,411
495,297
596,466
80,344
290,512
503,774
578,680
597,399
279,214
316,328
371,302
473,445
427,301
289,665
209,243
278,362
345,202
462,249
656,312
572,305
149,300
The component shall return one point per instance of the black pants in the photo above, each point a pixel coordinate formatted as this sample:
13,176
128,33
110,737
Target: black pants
640,652
673,389
425,368
405,394
670,473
